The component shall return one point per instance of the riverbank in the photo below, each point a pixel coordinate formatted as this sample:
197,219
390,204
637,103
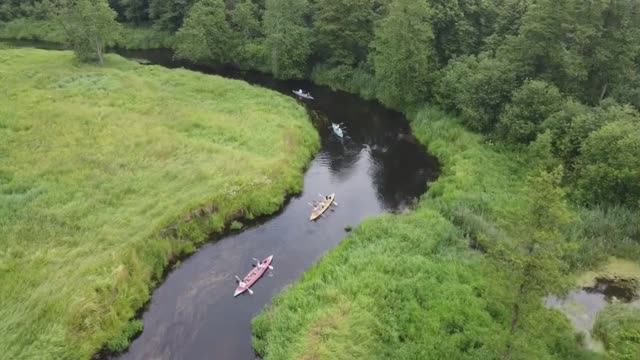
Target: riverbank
108,173
410,286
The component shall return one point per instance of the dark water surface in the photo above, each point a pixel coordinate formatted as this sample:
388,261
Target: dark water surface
381,167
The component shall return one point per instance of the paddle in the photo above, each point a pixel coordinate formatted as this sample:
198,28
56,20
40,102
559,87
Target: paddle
240,281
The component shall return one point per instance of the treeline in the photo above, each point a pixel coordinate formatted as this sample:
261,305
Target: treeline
562,76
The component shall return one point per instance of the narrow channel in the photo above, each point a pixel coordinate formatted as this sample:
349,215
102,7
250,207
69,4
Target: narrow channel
379,167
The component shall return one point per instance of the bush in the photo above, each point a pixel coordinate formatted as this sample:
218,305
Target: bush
531,104
478,88
568,127
121,342
608,170
618,326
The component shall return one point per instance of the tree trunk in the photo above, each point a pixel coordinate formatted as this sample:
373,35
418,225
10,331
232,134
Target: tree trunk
604,91
99,51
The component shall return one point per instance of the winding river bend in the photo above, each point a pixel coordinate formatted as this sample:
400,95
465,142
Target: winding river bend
380,167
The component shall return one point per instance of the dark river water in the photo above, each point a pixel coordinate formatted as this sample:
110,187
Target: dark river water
379,168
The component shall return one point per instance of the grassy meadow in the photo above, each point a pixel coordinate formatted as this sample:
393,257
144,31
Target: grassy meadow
107,173
408,286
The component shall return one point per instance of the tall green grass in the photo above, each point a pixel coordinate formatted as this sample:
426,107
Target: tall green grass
408,286
106,173
618,326
601,232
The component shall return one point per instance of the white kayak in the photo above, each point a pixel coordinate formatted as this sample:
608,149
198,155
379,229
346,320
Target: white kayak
337,130
303,94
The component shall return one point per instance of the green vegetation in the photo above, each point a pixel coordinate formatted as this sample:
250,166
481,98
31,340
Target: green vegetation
618,326
552,87
408,286
89,26
44,30
107,173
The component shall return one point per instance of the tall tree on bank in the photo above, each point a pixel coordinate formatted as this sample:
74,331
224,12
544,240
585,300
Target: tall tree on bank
534,263
288,39
169,14
343,30
206,35
245,22
89,26
135,11
403,53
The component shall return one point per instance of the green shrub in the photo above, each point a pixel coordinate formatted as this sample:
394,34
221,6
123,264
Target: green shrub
478,88
530,105
618,326
121,342
608,169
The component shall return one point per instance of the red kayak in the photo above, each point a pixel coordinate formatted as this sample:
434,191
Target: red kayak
253,276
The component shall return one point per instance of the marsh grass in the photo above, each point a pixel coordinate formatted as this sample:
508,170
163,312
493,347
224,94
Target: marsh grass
107,173
408,286
618,326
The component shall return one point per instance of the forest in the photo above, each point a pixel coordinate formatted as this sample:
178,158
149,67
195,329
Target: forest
557,74
532,105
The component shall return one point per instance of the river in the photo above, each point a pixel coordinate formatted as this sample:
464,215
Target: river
380,167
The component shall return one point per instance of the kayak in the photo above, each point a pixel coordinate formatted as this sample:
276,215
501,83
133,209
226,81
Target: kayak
322,207
337,130
254,275
303,95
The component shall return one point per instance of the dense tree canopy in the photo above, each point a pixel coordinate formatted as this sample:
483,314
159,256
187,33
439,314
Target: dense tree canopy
403,53
608,169
288,38
341,39
530,105
206,35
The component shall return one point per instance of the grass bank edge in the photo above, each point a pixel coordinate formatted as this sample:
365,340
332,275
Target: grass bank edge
179,234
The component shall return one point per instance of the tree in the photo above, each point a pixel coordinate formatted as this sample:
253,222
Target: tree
247,27
506,21
343,30
552,40
611,54
530,105
169,14
245,20
608,169
206,35
478,88
135,11
89,26
288,39
460,27
534,263
403,54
